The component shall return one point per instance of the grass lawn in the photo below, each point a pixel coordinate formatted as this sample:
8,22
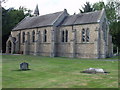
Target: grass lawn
57,73
0,71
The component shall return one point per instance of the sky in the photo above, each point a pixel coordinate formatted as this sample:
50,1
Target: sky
49,6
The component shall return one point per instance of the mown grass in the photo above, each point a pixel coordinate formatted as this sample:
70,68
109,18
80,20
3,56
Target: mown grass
57,72
0,71
115,57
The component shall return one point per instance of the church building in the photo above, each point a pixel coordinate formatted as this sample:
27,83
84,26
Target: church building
83,35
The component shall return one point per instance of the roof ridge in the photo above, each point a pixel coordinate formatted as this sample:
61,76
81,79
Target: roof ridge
86,13
89,12
50,13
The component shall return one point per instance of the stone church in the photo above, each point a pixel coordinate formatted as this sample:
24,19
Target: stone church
83,35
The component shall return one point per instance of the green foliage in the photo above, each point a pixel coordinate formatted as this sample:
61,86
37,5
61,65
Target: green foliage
10,18
111,12
57,73
111,9
115,32
98,6
87,8
26,11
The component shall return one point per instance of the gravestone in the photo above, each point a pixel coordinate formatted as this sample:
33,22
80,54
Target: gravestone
24,66
95,70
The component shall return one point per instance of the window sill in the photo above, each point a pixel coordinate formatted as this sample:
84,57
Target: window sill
84,43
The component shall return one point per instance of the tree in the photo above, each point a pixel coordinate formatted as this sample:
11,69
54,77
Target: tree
111,9
2,1
10,18
98,6
26,11
87,8
115,32
112,13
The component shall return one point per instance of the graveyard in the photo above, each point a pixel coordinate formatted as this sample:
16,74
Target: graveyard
58,72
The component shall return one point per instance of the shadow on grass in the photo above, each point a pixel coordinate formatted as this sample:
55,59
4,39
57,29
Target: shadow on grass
21,70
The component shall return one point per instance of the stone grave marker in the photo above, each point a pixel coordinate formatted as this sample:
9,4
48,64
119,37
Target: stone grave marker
95,70
24,66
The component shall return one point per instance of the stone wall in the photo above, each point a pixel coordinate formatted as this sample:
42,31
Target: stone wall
43,47
74,47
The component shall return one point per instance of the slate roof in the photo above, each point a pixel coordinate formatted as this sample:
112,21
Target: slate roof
49,19
83,18
38,21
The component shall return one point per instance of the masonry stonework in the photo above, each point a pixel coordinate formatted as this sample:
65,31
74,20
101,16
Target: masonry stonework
43,35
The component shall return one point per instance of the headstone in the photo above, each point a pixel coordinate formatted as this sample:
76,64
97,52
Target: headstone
94,70
24,66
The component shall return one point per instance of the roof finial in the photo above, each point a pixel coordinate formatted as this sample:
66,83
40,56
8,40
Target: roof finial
36,12
74,13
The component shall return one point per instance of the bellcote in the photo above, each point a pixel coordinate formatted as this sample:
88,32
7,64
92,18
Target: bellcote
36,12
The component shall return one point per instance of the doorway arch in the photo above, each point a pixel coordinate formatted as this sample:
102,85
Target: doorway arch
9,47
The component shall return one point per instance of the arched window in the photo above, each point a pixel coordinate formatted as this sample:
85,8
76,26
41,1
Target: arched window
33,36
66,36
38,35
19,37
28,37
62,36
9,46
83,35
23,37
87,34
45,35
